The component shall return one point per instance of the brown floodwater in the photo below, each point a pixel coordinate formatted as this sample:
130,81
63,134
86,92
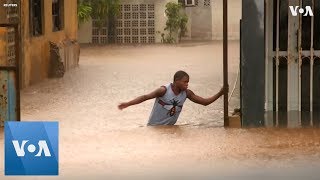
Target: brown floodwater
97,140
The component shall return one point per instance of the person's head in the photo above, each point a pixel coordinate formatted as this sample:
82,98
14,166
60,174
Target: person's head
181,80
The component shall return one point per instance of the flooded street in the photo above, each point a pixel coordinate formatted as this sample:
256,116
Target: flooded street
112,74
97,140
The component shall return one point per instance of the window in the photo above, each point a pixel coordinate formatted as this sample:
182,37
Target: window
57,15
190,3
36,17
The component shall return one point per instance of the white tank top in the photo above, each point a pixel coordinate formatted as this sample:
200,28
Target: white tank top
166,109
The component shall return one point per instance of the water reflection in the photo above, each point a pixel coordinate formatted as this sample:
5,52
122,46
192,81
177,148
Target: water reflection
292,119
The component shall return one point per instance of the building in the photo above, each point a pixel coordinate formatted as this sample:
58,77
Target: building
143,21
280,62
40,22
206,20
37,40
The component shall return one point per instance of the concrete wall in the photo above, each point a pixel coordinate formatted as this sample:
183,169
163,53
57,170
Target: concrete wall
160,18
204,23
36,50
85,30
234,16
199,22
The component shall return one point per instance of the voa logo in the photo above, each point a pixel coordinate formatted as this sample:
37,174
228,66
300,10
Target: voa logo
42,148
307,11
31,148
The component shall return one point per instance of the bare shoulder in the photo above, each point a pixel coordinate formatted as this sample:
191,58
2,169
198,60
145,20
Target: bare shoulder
161,91
189,93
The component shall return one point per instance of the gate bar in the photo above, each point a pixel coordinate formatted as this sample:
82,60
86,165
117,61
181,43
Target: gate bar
225,61
311,60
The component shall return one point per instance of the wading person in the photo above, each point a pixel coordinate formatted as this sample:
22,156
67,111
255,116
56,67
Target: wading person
169,100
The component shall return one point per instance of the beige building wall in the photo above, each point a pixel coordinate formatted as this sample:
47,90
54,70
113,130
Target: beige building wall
199,26
234,16
160,17
36,50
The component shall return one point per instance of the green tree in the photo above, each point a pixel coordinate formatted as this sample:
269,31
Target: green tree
84,12
176,23
104,12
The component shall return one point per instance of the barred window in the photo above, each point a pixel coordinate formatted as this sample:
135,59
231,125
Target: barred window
57,15
36,17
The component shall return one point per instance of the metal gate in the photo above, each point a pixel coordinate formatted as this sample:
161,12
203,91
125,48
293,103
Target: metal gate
9,61
135,24
293,57
9,73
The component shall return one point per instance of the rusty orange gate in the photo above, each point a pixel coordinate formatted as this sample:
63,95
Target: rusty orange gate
9,73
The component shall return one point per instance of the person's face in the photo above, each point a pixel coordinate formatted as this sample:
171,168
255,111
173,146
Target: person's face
183,83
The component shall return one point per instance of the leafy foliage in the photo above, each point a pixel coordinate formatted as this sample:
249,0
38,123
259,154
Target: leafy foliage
84,12
104,9
101,10
176,23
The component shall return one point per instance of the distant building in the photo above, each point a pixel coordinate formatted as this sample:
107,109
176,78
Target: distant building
143,21
41,22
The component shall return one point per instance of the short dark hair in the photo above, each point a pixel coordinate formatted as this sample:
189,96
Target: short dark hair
179,75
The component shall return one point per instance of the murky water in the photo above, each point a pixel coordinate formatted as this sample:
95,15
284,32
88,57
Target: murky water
190,152
97,140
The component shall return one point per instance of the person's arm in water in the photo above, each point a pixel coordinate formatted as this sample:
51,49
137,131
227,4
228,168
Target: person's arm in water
203,101
156,93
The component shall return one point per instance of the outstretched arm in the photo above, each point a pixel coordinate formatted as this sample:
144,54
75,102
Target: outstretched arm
203,101
156,93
